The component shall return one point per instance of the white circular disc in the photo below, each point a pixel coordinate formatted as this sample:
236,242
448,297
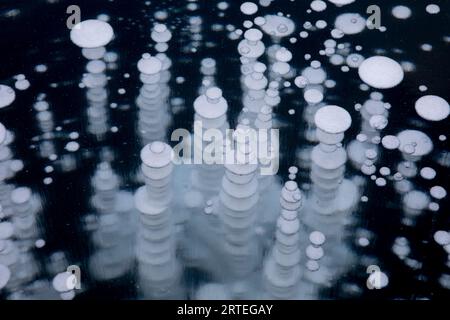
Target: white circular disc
381,72
333,119
432,108
91,34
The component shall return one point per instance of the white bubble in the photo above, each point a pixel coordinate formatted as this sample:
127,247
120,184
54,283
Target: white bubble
96,66
363,242
385,171
390,142
378,122
433,9
91,34
378,279
63,281
426,47
415,142
317,238
314,253
354,60
278,26
401,12
423,88
301,81
314,76
72,146
350,23
442,237
259,21
249,8
7,96
22,85
432,108
313,96
438,192
381,182
333,119
337,59
40,243
381,72
21,195
428,173
41,68
149,65
318,5
416,200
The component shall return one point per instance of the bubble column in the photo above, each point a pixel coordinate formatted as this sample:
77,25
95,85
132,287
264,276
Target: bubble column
97,94
363,152
210,113
44,119
282,267
255,84
332,197
237,203
166,75
113,239
6,173
250,49
208,71
161,35
315,275
312,77
152,116
195,30
93,36
328,158
280,68
159,271
26,231
268,186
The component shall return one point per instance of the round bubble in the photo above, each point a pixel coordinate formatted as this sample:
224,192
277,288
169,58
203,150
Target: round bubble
91,34
381,72
432,108
249,8
415,142
333,119
350,23
401,12
7,96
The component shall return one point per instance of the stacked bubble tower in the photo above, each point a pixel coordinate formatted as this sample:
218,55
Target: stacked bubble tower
153,115
159,269
282,268
113,238
210,113
238,199
332,197
92,36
